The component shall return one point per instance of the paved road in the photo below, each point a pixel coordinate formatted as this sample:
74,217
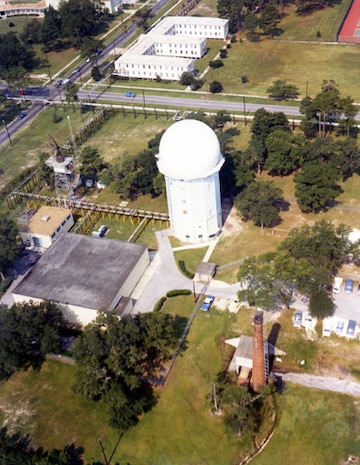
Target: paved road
324,382
180,102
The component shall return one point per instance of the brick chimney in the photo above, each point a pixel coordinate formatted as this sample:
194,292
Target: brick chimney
258,377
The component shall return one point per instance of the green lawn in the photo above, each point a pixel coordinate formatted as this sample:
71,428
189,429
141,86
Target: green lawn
314,427
326,21
304,65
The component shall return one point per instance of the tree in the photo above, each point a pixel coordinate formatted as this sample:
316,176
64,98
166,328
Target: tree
46,173
231,10
263,124
32,31
71,91
259,202
316,188
215,87
9,249
113,358
285,152
90,47
261,286
91,161
214,64
14,55
305,261
269,19
28,331
282,91
142,16
51,28
96,74
349,111
326,102
186,78
17,450
79,19
243,409
321,304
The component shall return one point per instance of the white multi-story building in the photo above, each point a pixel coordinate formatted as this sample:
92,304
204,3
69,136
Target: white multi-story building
170,48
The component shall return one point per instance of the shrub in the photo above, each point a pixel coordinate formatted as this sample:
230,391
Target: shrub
159,304
216,87
223,53
244,79
196,84
183,268
177,292
233,39
216,64
186,79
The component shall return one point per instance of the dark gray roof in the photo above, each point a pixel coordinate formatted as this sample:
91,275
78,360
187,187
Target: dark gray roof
81,270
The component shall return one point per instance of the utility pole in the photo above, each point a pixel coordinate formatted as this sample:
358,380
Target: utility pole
7,132
72,136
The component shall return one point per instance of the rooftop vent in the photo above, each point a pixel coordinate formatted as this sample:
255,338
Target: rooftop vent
45,218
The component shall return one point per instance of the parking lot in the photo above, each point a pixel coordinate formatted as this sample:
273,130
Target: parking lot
347,305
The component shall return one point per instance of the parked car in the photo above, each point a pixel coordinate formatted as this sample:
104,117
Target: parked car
350,332
103,230
209,299
337,285
21,115
339,327
349,286
358,289
297,321
130,94
58,82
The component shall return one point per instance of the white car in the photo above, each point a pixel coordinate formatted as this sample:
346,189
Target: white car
337,285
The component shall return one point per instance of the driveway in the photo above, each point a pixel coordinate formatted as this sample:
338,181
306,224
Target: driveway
324,382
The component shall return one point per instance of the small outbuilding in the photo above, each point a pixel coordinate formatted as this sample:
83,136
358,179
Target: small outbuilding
45,226
84,274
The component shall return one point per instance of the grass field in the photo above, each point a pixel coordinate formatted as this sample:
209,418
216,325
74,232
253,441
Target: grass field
304,65
311,420
314,426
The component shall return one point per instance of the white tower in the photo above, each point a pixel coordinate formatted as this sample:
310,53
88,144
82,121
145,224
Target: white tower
190,159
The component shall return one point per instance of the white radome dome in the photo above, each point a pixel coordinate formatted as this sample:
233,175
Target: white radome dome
189,149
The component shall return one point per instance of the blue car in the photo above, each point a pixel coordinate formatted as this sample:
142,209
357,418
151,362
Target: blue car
209,299
350,332
130,94
349,286
21,115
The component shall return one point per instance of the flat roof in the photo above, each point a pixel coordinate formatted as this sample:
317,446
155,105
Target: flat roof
170,21
46,220
81,270
128,58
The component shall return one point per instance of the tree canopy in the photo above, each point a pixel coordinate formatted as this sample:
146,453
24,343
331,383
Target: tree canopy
305,262
28,331
14,54
116,357
260,202
315,186
9,248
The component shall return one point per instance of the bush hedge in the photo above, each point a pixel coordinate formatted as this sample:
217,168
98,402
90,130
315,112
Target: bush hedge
184,270
177,292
